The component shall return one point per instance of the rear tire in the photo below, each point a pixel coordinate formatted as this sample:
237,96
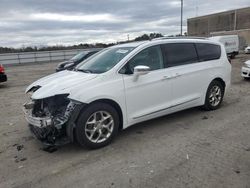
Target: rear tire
214,95
97,125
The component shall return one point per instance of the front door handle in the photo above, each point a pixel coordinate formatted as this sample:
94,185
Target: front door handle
166,77
176,75
171,77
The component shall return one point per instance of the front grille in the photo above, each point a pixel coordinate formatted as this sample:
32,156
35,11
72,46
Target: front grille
43,133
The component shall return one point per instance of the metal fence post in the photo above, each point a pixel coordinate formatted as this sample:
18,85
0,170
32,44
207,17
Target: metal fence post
50,59
64,55
35,56
18,57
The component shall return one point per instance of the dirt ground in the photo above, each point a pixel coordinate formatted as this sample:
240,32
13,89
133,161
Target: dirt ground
192,148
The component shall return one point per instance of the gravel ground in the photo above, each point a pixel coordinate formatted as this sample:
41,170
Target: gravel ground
192,148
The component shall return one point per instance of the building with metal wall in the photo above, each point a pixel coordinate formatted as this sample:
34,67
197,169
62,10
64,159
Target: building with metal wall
223,23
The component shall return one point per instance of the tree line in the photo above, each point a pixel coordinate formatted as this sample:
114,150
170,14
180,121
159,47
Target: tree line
81,45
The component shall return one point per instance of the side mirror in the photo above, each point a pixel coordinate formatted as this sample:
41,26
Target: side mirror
140,70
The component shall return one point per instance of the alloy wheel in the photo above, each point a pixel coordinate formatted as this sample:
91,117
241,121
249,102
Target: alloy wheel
99,126
215,96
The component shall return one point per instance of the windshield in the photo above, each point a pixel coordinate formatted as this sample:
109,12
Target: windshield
78,56
104,60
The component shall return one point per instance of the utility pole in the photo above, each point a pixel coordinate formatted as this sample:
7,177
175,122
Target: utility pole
196,9
181,15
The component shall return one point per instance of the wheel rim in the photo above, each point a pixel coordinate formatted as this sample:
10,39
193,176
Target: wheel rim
215,95
99,126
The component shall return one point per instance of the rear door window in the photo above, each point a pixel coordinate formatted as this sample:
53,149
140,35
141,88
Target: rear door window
208,52
179,54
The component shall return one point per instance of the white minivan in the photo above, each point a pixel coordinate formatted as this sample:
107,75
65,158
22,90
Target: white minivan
126,84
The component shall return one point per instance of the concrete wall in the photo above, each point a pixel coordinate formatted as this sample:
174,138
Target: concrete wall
225,21
229,22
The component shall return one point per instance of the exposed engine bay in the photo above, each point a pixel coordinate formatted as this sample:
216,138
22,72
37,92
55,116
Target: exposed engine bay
52,119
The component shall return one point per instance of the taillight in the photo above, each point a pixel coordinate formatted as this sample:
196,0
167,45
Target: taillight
1,69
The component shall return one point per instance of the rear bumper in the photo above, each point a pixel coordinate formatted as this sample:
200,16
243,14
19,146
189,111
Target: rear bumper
245,72
3,77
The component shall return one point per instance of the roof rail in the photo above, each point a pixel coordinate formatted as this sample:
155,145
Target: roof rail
180,37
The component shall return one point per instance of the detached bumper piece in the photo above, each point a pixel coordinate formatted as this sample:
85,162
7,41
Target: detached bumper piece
50,123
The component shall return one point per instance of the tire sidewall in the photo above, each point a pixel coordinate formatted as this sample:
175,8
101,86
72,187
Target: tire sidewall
207,105
84,116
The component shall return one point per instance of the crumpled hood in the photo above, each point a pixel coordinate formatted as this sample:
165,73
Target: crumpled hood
59,83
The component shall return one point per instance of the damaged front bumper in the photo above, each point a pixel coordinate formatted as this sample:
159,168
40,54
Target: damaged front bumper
53,124
39,122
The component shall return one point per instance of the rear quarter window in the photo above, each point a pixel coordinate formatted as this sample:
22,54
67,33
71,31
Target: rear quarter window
207,52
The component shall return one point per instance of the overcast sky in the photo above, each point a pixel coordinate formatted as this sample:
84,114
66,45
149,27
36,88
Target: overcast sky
67,22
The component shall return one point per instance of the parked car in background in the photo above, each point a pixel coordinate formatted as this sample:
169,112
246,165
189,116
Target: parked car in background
126,84
245,70
247,50
3,76
70,64
231,43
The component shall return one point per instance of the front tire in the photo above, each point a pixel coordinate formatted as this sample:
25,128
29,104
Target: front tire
97,125
214,95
